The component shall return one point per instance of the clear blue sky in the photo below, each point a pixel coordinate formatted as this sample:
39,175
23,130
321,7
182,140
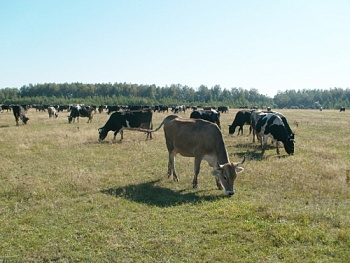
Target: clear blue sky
267,45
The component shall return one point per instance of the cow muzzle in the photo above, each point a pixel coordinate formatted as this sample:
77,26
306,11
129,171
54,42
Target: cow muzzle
230,193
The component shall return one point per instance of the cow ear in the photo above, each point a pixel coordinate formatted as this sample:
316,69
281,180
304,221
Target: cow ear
216,171
239,169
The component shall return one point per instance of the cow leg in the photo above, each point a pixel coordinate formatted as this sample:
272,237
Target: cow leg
264,142
239,130
218,183
150,134
197,165
115,135
278,149
171,166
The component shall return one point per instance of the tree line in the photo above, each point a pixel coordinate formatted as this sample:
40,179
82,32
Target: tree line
175,94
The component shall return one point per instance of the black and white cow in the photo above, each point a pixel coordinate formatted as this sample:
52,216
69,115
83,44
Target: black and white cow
271,125
80,111
342,109
208,115
19,113
242,117
120,121
52,112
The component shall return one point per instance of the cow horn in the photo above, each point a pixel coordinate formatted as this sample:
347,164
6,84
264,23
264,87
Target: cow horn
241,161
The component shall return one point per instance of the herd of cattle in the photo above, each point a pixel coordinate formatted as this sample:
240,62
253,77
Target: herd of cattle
199,136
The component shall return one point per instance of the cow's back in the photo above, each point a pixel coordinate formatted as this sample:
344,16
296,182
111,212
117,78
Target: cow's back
135,119
190,137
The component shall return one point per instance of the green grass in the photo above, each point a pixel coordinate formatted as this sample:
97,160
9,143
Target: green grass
64,197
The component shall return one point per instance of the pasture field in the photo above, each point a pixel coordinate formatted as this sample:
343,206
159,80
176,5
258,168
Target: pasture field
65,197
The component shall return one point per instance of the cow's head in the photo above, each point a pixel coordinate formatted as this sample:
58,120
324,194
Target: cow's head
289,144
25,119
70,118
102,134
231,129
226,174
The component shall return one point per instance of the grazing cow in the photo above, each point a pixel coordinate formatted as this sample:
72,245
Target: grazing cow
19,113
161,108
272,125
178,109
242,117
119,121
79,111
202,140
223,109
52,112
208,115
101,108
254,117
111,108
342,109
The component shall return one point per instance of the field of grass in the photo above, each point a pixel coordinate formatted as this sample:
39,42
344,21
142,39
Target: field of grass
64,197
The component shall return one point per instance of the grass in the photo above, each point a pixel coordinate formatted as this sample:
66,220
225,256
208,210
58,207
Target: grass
64,197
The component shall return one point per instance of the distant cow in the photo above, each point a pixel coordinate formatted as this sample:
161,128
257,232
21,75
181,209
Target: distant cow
342,109
208,115
80,111
242,117
52,112
161,108
223,109
111,108
272,125
202,140
19,113
119,121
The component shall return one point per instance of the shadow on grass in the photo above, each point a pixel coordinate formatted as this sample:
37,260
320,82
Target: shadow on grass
4,126
151,194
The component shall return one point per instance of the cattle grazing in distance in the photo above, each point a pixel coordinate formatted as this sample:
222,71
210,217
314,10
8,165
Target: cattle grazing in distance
112,108
271,125
202,140
223,109
242,117
80,111
120,121
179,109
52,112
6,107
101,108
20,114
208,115
161,108
342,109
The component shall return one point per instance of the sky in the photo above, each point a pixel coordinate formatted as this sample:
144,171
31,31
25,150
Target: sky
267,45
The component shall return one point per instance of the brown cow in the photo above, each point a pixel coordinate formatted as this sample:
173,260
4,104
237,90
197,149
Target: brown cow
202,140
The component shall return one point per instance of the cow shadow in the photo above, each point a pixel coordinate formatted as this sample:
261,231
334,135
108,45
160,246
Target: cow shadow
4,126
151,194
